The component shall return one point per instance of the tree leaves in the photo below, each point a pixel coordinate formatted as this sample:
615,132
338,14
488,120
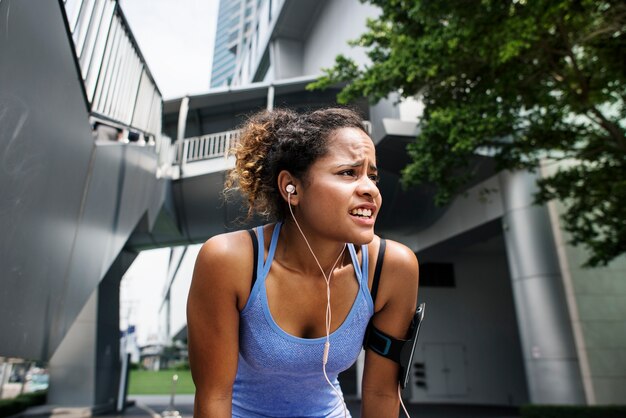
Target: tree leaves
527,80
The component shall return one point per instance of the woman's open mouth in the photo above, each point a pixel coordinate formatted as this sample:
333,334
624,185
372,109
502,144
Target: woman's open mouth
362,213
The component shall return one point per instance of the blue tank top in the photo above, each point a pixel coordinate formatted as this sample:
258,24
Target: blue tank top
280,375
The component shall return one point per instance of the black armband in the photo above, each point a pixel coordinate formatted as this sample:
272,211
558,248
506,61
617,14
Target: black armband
400,351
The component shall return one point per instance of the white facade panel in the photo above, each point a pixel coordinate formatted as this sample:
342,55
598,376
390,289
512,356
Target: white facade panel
339,22
288,56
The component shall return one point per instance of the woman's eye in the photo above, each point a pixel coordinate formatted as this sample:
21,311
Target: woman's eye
347,173
375,178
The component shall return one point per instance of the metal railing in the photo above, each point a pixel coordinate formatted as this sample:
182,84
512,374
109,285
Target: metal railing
205,147
118,83
216,145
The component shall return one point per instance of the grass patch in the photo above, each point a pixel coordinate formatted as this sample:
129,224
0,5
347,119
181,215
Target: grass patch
16,405
144,382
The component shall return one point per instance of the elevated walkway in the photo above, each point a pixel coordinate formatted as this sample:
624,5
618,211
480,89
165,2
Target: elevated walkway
69,201
81,157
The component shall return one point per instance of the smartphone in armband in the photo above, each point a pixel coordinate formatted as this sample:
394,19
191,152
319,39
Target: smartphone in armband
406,354
400,351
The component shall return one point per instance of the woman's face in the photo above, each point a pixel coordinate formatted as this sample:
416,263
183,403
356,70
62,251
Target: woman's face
340,197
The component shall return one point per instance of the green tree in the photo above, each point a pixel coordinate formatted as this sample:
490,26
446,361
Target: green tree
525,80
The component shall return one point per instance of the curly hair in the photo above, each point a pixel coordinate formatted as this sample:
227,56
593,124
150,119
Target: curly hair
272,141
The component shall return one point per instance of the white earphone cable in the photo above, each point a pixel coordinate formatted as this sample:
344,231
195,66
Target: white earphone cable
328,309
402,403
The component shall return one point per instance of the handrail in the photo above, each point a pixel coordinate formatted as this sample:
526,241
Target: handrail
118,84
204,147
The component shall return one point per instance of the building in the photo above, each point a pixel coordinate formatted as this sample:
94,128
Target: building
510,317
234,25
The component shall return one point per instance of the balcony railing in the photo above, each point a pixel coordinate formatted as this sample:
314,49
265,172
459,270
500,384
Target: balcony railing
211,146
205,147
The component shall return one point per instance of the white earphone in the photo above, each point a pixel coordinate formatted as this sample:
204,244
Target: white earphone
291,189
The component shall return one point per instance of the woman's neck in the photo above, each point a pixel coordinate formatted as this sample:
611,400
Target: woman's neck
294,253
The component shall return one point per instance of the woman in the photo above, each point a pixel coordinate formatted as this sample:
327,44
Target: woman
262,342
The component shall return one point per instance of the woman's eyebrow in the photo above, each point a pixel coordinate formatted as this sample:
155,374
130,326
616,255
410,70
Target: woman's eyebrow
357,164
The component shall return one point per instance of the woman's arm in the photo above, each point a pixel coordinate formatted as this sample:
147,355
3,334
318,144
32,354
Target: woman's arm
219,290
395,305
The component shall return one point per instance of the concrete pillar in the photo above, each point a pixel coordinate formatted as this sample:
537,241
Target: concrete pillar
85,369
72,373
550,357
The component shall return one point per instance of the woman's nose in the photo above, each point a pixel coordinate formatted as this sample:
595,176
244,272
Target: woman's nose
368,187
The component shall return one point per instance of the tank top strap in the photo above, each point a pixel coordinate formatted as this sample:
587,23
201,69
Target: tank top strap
361,269
263,265
267,263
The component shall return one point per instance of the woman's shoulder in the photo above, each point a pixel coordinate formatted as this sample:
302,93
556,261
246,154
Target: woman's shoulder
397,255
401,256
399,276
229,246
225,261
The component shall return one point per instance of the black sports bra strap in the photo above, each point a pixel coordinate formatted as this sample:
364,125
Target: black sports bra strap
255,246
379,267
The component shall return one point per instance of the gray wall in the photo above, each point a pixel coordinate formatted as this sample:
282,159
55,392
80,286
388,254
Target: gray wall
68,205
469,342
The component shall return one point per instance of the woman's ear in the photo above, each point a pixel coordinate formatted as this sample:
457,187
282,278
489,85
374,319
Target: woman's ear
288,187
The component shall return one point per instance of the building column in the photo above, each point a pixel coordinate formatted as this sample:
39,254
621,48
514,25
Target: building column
550,357
85,368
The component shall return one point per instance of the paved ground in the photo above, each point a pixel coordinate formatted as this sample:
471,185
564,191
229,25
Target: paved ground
10,390
150,405
158,406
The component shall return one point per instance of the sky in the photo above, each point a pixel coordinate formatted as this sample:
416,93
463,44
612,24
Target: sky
176,38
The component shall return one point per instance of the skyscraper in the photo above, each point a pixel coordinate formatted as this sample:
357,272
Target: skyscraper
234,23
